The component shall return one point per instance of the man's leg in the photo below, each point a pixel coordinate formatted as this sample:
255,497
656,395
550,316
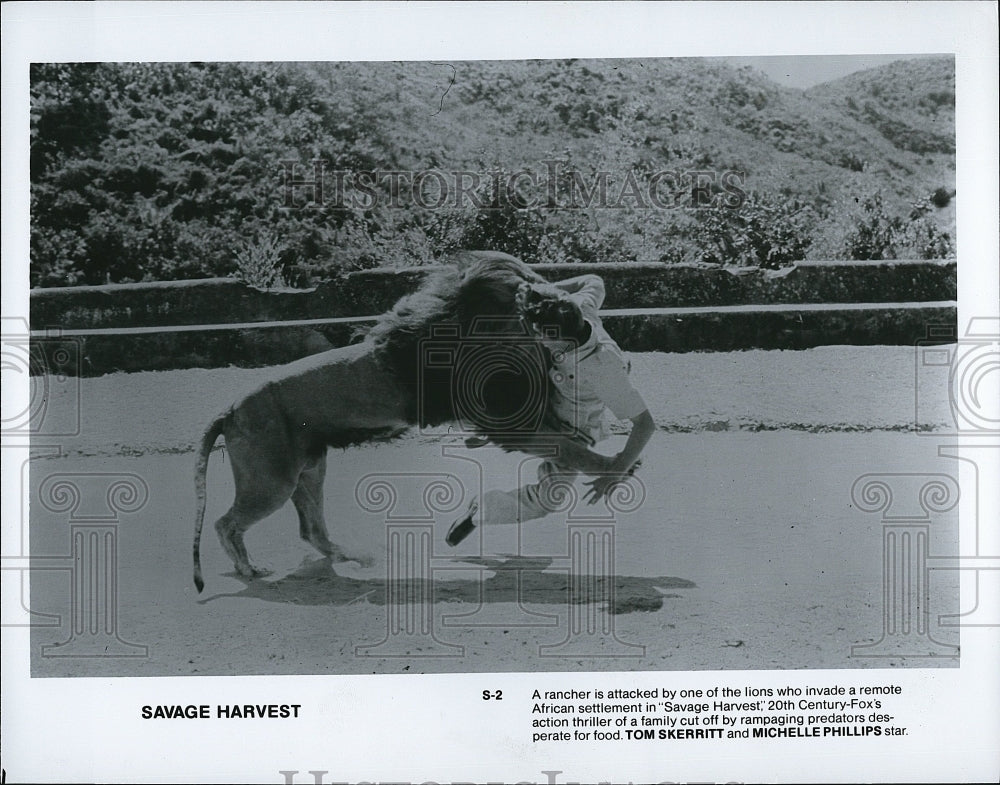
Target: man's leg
527,503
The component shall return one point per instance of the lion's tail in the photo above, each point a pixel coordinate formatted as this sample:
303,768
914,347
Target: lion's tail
212,433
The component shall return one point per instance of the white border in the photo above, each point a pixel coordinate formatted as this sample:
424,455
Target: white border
417,728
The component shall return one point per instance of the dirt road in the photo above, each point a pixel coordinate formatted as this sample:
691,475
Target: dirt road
741,549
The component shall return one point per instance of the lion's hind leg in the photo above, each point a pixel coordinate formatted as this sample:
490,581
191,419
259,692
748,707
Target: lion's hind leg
308,500
262,487
230,528
247,510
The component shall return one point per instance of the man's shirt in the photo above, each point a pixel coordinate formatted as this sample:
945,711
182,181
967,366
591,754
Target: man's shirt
595,375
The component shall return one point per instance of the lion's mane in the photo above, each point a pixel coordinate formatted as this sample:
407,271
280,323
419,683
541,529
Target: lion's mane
459,344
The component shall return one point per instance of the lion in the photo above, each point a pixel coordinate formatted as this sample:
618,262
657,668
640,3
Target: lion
278,435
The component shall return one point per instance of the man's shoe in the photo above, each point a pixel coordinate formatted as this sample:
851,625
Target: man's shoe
463,527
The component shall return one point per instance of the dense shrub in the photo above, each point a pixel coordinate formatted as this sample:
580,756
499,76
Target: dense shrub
258,262
158,171
165,166
878,235
941,197
761,232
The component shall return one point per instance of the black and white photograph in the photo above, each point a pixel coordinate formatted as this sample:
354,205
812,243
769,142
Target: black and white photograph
632,409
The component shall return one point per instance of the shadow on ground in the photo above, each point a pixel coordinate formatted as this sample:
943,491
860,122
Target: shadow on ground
504,579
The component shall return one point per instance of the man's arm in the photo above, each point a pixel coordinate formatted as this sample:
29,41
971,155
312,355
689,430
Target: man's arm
573,285
569,452
642,430
587,286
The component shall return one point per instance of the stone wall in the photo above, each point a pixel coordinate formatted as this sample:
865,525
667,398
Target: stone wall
649,307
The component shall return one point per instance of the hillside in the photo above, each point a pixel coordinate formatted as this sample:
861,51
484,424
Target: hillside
680,113
155,171
910,103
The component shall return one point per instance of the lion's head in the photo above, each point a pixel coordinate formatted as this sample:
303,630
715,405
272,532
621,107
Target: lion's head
460,343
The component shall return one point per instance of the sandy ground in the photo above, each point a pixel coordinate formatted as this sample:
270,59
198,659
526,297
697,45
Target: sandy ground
830,388
743,552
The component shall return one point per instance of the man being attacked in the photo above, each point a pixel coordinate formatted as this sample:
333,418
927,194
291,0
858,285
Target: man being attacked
590,377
